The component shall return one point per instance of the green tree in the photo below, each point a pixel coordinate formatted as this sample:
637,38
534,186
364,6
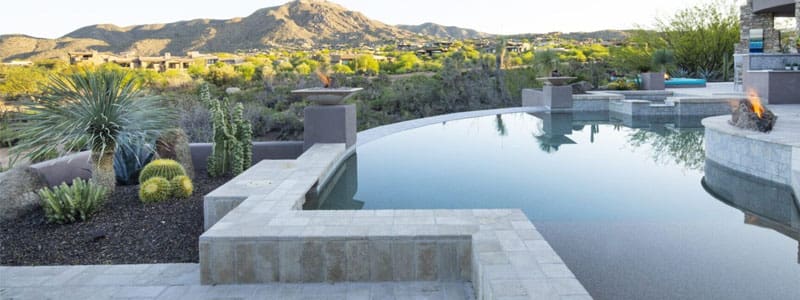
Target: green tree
222,74
366,64
103,108
246,71
303,69
702,37
22,81
342,69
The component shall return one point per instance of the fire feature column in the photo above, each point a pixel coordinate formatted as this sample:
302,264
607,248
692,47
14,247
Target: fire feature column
329,121
329,124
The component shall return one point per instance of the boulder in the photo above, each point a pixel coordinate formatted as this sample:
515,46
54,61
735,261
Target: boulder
174,144
233,90
19,186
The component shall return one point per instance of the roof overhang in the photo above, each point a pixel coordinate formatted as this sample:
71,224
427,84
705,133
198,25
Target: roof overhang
781,8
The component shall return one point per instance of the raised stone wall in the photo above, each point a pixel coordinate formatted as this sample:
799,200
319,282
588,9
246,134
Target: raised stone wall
268,239
766,156
749,20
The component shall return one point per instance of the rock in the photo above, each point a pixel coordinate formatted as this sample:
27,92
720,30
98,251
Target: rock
18,197
581,87
233,90
174,144
745,117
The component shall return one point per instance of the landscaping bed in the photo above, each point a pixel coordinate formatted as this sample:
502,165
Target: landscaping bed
125,231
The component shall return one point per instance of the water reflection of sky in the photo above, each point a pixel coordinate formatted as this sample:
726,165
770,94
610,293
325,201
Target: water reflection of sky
468,164
625,208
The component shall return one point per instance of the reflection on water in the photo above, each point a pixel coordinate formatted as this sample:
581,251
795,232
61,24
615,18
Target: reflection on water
682,146
764,203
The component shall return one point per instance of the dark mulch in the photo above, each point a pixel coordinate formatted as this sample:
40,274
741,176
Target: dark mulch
125,231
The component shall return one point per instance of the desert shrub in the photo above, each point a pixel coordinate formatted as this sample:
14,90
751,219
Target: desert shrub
129,160
165,168
622,85
182,187
67,204
155,189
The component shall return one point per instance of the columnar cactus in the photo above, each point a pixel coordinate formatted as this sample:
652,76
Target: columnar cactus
232,151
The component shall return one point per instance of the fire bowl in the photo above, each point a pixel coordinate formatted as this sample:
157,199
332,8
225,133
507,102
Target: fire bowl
752,115
327,96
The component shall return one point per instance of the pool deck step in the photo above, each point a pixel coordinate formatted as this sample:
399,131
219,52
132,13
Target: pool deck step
182,281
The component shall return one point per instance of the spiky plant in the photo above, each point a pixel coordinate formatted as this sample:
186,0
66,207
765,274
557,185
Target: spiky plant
165,168
182,187
71,203
155,189
102,107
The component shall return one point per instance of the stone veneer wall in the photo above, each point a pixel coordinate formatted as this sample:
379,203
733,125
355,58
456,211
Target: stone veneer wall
749,20
763,159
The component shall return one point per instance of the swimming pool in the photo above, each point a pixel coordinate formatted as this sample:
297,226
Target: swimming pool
628,209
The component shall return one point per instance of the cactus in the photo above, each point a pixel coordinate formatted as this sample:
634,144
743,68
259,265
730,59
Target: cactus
205,95
233,147
165,168
182,187
155,189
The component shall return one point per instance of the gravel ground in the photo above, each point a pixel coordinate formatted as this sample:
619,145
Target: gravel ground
125,231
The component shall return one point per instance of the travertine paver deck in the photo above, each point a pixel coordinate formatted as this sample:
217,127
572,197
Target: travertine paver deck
267,238
181,281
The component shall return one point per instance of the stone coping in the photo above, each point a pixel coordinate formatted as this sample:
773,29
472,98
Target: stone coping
267,238
592,95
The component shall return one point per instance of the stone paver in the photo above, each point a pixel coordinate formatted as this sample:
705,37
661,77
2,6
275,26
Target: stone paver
182,281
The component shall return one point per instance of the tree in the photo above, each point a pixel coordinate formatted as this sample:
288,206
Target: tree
303,69
342,69
21,81
367,64
103,108
246,70
222,74
702,37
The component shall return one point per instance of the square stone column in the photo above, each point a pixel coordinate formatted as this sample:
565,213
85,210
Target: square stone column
558,97
329,124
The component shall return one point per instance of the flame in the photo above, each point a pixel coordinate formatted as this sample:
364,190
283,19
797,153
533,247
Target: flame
326,81
755,102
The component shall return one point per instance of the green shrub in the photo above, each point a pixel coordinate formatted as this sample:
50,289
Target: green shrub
155,189
68,204
622,85
165,168
182,187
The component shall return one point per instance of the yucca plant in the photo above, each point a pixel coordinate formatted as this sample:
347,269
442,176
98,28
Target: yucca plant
101,107
67,204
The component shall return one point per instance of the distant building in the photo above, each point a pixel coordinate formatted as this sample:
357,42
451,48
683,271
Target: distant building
163,63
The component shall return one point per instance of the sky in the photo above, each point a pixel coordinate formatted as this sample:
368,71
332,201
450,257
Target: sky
55,18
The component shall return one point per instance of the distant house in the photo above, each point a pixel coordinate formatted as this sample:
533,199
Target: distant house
129,60
342,59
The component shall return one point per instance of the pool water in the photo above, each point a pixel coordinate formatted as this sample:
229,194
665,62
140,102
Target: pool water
628,209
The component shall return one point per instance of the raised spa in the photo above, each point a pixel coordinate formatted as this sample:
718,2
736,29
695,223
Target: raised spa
636,213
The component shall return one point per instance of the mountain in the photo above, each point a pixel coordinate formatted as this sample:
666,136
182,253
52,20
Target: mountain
301,23
445,32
